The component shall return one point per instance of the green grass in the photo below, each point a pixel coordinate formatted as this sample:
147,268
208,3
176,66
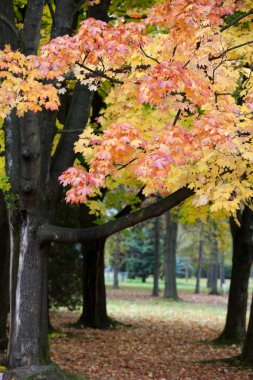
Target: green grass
183,285
162,309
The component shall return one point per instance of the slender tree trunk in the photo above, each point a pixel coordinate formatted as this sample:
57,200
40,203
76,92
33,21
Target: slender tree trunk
222,270
156,267
208,275
200,258
214,266
170,289
116,263
94,294
235,327
4,272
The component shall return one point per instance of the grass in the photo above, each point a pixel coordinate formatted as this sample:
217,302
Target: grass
183,285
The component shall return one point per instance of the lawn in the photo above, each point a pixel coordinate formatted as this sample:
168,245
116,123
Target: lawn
156,339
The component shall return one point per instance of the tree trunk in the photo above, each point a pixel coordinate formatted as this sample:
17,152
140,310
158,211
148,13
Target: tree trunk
214,267
222,270
155,292
170,289
94,295
28,346
4,272
116,263
247,350
235,327
200,258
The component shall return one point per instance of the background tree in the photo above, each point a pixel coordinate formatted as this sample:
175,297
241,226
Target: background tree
170,270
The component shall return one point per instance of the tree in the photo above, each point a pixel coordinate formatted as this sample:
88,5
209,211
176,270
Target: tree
156,265
140,248
4,270
29,83
200,258
235,327
170,284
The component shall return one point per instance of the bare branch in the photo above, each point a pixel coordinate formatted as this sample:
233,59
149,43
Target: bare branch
149,56
176,117
101,74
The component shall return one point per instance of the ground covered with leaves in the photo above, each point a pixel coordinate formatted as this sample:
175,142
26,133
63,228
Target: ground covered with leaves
158,339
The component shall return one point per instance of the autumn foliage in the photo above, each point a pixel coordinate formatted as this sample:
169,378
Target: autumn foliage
173,117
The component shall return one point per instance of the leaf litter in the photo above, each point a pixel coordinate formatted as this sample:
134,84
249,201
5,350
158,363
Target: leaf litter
157,339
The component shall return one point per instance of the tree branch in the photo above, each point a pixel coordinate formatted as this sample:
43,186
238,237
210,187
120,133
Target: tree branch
149,56
11,26
51,10
230,49
51,233
237,20
62,131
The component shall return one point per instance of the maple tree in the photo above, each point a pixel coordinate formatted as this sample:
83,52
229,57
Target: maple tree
175,73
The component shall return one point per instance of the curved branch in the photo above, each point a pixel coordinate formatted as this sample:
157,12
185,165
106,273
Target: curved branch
237,20
230,49
49,233
11,26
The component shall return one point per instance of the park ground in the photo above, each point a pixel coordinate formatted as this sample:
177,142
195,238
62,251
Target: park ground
156,338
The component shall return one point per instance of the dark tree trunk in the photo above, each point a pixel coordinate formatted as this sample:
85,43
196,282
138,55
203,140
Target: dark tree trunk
156,267
235,327
29,346
116,263
170,289
208,275
222,270
247,350
214,266
94,294
200,258
4,272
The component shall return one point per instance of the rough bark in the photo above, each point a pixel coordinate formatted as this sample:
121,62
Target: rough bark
170,289
156,267
94,295
4,272
200,258
235,326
